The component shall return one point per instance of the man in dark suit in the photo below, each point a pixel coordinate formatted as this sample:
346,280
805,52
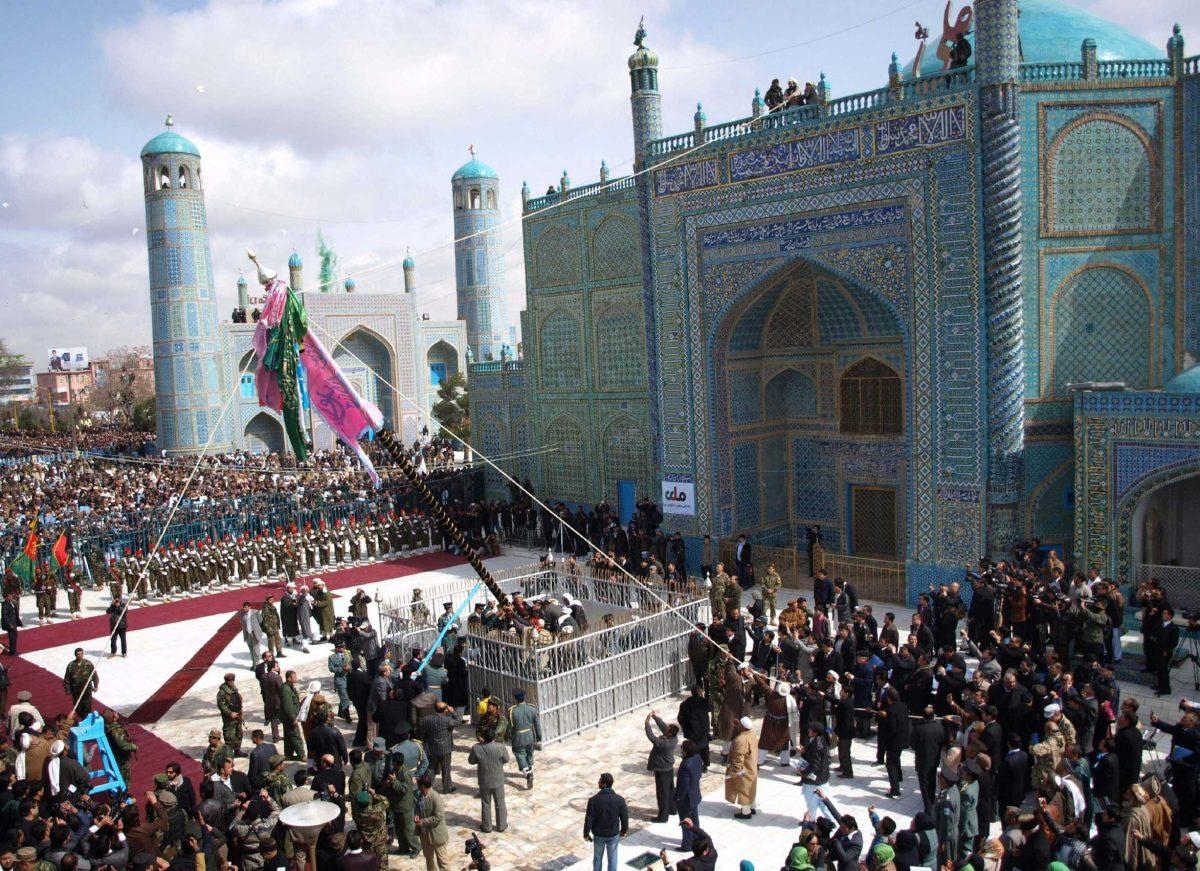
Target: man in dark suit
741,557
695,720
1012,774
823,593
662,763
895,733
10,620
327,739
357,856
1106,775
928,739
259,756
687,791
1165,642
1127,744
329,773
358,685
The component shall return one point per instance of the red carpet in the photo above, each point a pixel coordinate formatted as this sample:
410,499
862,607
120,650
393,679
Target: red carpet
226,601
154,753
155,708
50,698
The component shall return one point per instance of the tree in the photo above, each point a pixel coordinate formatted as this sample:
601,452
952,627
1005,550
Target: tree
12,366
125,384
453,408
145,415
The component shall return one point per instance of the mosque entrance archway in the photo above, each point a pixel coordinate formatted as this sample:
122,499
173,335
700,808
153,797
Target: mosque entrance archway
810,383
1163,525
369,364
442,360
264,434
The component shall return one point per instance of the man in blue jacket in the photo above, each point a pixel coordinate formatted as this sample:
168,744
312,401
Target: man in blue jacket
687,791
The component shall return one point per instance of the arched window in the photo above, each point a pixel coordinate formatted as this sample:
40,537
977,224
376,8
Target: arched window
199,180
491,199
458,199
164,179
183,177
872,402
475,198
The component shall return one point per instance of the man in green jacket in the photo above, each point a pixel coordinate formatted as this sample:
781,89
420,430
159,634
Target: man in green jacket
271,627
293,741
526,734
430,820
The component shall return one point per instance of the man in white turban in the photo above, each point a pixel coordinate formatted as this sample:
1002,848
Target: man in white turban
741,771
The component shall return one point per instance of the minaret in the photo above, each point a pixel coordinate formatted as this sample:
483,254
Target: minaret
479,257
183,304
243,292
295,272
646,101
410,273
997,65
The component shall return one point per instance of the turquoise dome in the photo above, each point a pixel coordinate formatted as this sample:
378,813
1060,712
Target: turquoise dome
349,284
241,281
294,262
474,168
1187,381
1054,30
170,142
409,263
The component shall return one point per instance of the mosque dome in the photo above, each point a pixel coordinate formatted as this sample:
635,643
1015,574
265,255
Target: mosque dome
643,58
474,168
349,284
409,263
1054,30
170,142
241,281
1187,381
294,262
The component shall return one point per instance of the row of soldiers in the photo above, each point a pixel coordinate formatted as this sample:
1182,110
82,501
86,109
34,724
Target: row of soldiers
183,570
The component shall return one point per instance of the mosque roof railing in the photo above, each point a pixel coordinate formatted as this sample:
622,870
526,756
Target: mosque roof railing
1191,65
854,104
586,190
495,366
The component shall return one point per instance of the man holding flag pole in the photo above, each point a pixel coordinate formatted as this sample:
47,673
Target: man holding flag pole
24,566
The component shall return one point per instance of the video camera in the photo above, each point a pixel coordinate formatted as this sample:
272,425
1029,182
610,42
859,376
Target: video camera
474,849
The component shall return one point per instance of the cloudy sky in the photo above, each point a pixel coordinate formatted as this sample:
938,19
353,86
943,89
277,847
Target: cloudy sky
350,115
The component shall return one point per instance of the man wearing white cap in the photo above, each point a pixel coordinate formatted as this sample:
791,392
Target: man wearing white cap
741,771
64,776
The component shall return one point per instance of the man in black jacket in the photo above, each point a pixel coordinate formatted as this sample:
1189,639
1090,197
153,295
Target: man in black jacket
1106,775
1108,846
605,822
844,727
10,620
695,721
699,651
1165,642
895,733
687,792
816,769
1127,744
928,739
358,685
1012,774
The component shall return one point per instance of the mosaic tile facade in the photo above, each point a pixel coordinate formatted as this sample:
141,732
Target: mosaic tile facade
1127,445
189,387
977,240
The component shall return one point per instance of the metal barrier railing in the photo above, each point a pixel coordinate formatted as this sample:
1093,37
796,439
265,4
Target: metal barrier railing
882,580
575,680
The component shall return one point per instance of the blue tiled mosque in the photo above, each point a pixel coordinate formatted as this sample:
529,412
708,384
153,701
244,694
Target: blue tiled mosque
933,319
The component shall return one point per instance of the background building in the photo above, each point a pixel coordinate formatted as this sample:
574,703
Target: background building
183,303
20,387
869,313
479,258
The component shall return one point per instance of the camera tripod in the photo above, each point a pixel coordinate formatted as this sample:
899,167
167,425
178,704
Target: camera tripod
1189,649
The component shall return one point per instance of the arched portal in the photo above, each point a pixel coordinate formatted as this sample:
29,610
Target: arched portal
264,434
442,361
369,364
810,382
1163,525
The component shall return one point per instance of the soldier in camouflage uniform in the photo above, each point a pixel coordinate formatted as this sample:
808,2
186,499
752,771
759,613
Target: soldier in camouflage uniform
122,746
74,595
229,703
80,681
97,566
770,586
714,681
398,788
215,754
716,596
271,627
275,781
370,818
43,593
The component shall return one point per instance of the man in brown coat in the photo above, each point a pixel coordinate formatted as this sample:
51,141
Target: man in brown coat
741,772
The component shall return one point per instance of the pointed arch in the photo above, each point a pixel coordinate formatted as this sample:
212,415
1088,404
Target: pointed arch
615,248
556,256
626,452
564,470
871,399
790,395
264,434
